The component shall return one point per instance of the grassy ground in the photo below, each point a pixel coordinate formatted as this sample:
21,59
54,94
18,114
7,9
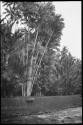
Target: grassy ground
11,108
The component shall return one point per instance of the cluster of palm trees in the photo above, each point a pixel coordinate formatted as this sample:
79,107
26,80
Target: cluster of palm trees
24,51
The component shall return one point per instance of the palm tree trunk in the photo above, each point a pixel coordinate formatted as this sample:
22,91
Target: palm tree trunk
29,82
29,87
22,90
30,77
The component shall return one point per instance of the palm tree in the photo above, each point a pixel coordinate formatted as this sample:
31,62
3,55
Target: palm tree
44,29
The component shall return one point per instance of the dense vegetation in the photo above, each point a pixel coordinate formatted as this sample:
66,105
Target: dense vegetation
31,61
60,75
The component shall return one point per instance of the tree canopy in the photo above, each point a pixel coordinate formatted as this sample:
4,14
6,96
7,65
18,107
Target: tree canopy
31,57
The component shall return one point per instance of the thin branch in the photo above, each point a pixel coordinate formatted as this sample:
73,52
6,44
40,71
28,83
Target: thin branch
37,64
33,74
42,57
34,47
35,42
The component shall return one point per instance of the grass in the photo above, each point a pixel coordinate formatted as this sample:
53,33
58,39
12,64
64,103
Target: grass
18,106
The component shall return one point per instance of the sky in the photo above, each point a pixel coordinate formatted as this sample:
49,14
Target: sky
71,38
71,12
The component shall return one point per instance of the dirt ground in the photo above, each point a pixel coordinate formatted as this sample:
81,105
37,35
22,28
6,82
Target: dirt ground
70,115
43,110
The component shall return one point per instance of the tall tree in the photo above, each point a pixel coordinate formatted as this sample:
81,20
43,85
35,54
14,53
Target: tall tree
67,69
7,43
44,31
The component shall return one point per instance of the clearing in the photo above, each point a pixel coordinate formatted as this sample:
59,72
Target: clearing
50,109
